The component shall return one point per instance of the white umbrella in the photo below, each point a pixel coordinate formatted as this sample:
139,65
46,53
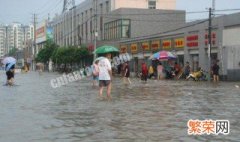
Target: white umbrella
8,60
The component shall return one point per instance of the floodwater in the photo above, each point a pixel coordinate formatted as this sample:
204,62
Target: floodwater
32,111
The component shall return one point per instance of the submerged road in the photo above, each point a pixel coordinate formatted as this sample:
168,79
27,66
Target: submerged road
32,111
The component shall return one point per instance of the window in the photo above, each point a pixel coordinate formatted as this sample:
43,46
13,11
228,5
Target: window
152,4
117,29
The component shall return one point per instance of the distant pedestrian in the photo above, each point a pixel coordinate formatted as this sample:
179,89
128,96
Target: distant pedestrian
187,70
215,72
10,73
40,68
126,74
177,68
144,72
160,71
105,75
151,72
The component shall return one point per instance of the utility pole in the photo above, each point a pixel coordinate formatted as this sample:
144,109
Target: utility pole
95,28
210,41
24,43
34,40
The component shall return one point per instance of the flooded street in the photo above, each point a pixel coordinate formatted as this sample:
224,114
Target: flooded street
32,111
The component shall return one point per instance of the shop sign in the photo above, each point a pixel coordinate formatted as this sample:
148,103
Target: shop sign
179,43
145,46
166,44
155,45
213,39
192,41
123,49
134,48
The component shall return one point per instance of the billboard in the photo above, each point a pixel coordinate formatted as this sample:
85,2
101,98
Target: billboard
43,32
49,33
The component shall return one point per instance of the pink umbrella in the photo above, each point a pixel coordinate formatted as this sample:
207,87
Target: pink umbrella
163,55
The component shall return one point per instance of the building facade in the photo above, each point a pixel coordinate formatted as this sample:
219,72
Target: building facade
190,43
110,21
14,35
2,40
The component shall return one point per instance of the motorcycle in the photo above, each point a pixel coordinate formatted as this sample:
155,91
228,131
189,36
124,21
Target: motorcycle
197,76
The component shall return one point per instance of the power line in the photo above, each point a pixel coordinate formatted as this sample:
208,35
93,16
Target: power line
46,14
44,6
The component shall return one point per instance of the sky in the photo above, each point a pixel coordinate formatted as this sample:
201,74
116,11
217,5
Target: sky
22,10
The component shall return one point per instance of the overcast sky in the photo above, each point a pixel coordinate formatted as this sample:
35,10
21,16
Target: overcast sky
22,10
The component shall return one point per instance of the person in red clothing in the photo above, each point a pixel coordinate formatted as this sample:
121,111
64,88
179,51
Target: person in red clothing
144,72
177,68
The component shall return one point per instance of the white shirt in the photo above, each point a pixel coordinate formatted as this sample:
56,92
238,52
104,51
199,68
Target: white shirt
104,66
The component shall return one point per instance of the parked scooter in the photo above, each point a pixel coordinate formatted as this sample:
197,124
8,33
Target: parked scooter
198,75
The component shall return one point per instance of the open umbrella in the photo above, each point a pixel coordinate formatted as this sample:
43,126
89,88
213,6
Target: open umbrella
163,55
9,60
106,49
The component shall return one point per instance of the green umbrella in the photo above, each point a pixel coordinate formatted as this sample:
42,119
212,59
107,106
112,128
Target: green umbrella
105,49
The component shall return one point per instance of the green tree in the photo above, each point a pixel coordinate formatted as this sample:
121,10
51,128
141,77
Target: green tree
46,53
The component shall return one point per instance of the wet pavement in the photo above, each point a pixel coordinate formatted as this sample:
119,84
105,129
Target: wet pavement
32,111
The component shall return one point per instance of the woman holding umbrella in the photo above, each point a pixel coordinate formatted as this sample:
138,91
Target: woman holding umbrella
105,69
10,73
9,63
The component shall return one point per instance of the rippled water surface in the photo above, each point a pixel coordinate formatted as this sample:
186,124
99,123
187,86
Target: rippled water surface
32,111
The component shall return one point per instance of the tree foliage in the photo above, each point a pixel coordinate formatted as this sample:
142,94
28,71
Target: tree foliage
46,53
69,55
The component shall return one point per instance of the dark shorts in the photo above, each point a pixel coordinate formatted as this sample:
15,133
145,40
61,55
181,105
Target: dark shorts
127,75
10,75
215,73
104,83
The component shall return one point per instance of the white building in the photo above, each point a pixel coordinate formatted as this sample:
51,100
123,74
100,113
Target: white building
2,40
14,35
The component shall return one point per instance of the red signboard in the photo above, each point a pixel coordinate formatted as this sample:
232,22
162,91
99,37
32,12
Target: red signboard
213,39
192,38
155,45
166,44
145,46
90,48
179,43
192,41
